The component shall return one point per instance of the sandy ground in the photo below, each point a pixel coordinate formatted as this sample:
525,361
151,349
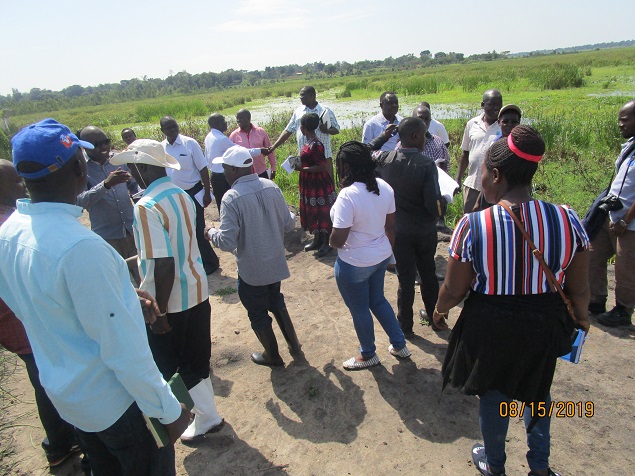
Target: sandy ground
311,417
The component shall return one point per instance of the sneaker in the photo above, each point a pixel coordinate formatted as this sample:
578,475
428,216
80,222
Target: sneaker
618,316
354,364
56,459
403,352
550,472
480,460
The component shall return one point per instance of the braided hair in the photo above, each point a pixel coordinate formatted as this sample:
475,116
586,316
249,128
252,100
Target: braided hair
361,166
516,170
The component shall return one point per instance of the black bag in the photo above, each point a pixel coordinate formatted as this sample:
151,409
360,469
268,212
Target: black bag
596,216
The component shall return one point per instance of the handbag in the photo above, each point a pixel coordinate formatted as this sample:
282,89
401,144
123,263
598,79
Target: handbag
538,254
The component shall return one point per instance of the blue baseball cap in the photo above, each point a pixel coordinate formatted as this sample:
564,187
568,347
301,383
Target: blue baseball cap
48,143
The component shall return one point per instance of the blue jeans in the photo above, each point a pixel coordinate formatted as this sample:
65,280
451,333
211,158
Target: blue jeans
363,291
494,431
127,448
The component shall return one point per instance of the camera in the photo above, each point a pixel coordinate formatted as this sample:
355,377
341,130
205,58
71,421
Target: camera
610,203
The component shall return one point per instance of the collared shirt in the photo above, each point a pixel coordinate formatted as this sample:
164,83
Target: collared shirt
72,292
216,143
256,138
110,210
294,127
253,220
477,139
189,154
438,129
435,149
164,227
375,126
623,185
12,334
414,179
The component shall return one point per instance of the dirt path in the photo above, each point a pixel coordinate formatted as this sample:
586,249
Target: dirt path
313,418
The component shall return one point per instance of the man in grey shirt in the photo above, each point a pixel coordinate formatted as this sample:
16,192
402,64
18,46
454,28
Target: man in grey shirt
107,195
253,220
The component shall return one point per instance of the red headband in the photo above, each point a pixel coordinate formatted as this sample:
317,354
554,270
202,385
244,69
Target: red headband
520,153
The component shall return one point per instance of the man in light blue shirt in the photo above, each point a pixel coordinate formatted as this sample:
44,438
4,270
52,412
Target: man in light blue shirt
72,292
386,119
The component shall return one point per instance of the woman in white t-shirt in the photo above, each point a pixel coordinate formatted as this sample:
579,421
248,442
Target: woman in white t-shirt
363,233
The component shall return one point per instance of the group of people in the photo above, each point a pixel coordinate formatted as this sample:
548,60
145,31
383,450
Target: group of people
128,341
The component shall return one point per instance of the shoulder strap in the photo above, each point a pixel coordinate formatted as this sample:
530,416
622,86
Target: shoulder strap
538,254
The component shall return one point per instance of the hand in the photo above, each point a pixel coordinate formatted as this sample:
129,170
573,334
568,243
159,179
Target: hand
323,128
160,325
149,306
210,231
178,426
438,322
273,175
583,324
390,131
298,167
266,150
618,228
207,199
116,177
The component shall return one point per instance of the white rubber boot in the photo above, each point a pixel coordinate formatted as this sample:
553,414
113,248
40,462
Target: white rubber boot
206,417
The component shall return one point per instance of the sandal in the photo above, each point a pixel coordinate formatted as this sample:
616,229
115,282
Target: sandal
403,352
354,364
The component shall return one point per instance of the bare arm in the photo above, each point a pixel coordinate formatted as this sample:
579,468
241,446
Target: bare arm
164,281
280,140
339,237
617,228
458,279
207,198
463,163
576,286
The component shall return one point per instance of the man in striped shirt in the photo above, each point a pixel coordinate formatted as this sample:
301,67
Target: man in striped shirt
172,271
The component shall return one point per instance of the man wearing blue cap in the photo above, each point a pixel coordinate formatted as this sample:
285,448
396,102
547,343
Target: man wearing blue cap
89,341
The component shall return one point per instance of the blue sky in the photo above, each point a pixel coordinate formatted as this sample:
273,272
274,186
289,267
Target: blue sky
51,45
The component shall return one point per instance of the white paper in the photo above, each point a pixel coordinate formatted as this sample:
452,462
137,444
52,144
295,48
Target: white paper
447,185
287,165
325,118
199,197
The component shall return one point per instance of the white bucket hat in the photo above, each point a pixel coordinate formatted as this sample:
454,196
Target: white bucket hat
146,151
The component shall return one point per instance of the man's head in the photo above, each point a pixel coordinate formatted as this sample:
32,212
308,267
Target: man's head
412,132
128,136
12,185
626,120
243,118
508,118
169,127
389,104
49,158
423,113
146,160
426,104
307,96
236,162
217,121
100,141
492,103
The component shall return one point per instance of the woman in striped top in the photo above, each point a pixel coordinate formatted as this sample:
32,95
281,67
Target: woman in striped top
513,325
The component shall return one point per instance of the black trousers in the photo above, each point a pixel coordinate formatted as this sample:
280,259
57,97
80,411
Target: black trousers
415,253
220,185
210,260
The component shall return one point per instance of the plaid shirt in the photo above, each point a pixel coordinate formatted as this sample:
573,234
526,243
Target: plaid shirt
12,334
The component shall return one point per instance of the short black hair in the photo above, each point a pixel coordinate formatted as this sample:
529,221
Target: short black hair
310,121
409,126
125,129
310,90
384,94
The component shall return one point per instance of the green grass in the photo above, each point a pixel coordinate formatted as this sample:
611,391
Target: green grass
226,291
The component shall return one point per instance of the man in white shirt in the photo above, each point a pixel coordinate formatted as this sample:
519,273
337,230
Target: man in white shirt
436,128
480,133
193,177
328,126
387,118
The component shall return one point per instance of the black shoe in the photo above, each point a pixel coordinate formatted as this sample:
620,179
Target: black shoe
550,472
618,316
480,461
316,243
57,458
596,308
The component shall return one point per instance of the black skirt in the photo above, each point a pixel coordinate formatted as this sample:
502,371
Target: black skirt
509,344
